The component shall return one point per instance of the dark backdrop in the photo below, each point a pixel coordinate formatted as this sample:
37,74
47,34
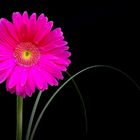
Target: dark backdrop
98,32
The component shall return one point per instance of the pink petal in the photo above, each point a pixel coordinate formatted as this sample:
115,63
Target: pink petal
23,76
5,54
44,60
10,29
59,60
13,90
33,18
28,91
6,45
7,64
53,36
41,21
17,81
43,32
13,78
4,48
4,73
32,26
54,72
30,85
38,78
25,17
52,47
23,32
5,36
20,90
18,23
17,19
49,78
24,29
61,42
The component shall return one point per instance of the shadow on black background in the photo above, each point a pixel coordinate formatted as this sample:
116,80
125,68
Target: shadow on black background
98,33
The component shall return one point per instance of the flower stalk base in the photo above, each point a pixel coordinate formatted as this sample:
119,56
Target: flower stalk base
19,113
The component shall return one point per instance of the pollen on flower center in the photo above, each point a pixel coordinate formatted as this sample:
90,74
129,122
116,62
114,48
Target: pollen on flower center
26,54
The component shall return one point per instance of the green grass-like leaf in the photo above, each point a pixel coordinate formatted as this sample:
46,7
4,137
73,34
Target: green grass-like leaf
73,76
32,115
82,101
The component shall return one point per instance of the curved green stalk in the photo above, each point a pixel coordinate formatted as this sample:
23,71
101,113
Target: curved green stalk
19,118
83,104
49,101
32,115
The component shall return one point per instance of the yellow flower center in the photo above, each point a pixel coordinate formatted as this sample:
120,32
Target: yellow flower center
26,54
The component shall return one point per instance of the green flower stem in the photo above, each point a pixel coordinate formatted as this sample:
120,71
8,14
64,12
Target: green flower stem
19,112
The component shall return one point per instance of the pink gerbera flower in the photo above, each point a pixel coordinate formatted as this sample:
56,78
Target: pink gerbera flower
32,55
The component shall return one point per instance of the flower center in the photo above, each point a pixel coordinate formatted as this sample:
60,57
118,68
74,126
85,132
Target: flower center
26,54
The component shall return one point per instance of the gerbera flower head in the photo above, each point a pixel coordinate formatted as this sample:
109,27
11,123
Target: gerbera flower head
32,55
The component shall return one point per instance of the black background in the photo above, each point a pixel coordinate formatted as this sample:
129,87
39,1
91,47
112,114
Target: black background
98,32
